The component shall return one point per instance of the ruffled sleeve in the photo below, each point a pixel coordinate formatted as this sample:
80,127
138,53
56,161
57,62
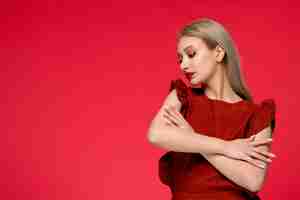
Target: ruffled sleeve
166,160
263,116
182,94
164,168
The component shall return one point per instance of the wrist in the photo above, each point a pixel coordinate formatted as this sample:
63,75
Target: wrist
221,147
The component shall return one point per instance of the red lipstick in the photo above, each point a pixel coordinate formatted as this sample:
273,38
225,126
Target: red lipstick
189,75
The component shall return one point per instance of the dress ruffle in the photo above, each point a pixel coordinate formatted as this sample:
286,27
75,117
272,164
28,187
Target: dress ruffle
164,168
165,161
182,94
263,116
185,97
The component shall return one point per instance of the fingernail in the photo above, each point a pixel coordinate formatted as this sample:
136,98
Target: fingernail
273,155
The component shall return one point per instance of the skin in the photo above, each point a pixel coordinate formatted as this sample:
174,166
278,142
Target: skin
194,56
243,160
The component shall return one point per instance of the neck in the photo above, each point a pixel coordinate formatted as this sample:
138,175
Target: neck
218,87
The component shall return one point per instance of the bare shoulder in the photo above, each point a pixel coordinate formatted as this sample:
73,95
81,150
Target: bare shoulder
170,100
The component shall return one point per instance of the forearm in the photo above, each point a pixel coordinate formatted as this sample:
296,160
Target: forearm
237,171
181,140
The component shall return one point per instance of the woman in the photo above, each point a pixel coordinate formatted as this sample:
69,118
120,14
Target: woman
218,138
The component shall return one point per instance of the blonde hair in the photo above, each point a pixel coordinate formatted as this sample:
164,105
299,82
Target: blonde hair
213,34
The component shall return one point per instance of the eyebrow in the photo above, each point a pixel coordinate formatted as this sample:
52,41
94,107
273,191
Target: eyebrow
185,48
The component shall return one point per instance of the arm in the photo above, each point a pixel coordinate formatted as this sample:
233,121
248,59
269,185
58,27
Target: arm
241,172
175,139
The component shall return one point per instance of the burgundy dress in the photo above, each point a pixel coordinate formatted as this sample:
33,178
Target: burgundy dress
189,175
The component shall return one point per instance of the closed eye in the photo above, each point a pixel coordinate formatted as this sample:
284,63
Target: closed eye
191,55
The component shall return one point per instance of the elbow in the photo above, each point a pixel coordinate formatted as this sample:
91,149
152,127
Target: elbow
255,183
254,188
152,136
156,135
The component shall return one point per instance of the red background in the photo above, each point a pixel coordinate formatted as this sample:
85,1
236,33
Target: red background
81,80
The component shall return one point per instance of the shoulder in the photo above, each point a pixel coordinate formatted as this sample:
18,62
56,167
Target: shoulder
182,92
179,85
264,114
266,106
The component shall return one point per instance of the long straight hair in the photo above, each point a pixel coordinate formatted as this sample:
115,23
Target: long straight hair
213,34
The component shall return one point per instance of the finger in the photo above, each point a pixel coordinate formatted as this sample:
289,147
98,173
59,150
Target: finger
180,117
169,122
173,116
259,164
255,163
247,158
178,113
265,153
169,118
252,138
260,157
263,141
172,111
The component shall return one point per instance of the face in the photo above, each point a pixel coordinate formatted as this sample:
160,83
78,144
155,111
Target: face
196,61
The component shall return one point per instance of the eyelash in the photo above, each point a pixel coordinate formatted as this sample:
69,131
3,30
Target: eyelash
189,55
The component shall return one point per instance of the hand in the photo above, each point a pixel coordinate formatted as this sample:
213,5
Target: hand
247,149
175,119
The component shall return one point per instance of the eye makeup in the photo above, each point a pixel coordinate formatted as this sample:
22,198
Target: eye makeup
189,52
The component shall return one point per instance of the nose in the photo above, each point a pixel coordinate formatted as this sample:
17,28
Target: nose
184,68
184,64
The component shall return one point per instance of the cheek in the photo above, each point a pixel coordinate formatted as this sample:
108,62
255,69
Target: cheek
204,64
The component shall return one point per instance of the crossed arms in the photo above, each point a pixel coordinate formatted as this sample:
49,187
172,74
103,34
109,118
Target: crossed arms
171,138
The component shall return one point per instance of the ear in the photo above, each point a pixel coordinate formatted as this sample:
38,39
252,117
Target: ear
220,53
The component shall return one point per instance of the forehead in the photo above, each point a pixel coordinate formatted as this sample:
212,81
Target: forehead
188,42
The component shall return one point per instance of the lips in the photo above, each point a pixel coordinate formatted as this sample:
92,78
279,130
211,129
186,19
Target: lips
189,75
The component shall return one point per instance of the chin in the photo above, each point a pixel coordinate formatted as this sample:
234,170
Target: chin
198,83
195,82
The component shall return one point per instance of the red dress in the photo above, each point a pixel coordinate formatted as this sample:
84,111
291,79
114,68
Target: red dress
189,175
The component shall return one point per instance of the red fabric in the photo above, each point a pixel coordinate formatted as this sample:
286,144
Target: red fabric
263,117
190,175
182,94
